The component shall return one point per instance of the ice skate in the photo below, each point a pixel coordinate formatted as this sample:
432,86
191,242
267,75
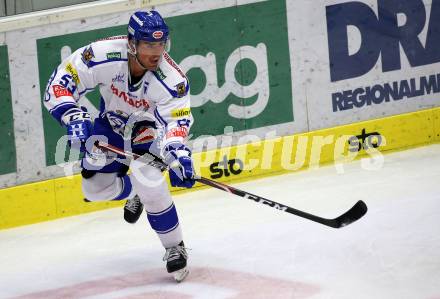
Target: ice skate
133,209
176,261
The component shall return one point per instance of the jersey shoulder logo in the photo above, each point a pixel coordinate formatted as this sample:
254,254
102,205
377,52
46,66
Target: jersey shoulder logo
181,89
160,74
61,91
72,71
87,55
114,55
183,112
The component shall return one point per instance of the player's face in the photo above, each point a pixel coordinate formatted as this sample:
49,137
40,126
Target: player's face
149,53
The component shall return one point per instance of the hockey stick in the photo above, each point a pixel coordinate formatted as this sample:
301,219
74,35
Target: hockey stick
353,214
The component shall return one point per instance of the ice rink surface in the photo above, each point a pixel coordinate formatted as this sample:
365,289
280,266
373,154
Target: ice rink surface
241,249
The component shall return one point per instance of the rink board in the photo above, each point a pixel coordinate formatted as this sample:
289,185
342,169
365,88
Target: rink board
62,197
256,74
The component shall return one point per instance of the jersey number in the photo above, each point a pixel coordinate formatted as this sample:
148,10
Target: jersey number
65,81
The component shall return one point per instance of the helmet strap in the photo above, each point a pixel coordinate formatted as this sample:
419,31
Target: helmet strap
138,61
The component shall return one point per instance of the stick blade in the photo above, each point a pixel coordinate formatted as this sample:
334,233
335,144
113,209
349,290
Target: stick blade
352,215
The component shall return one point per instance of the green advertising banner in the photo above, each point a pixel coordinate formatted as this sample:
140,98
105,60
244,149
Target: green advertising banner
237,60
8,159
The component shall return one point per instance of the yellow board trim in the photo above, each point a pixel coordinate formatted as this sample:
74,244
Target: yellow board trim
61,197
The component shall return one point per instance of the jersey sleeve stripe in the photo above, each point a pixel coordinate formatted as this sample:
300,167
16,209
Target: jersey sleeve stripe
172,92
160,118
85,90
60,109
93,63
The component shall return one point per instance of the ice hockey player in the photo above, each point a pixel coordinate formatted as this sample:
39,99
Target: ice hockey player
145,105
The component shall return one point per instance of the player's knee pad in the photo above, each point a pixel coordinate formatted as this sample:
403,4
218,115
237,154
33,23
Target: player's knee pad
149,183
106,186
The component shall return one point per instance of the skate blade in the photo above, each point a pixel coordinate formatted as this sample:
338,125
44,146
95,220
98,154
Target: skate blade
181,274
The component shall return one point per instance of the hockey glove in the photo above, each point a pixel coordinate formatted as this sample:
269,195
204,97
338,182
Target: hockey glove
79,127
181,171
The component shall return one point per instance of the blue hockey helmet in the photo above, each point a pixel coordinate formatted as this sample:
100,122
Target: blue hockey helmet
147,26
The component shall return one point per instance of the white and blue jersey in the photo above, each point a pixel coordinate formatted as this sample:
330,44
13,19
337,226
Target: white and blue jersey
163,93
